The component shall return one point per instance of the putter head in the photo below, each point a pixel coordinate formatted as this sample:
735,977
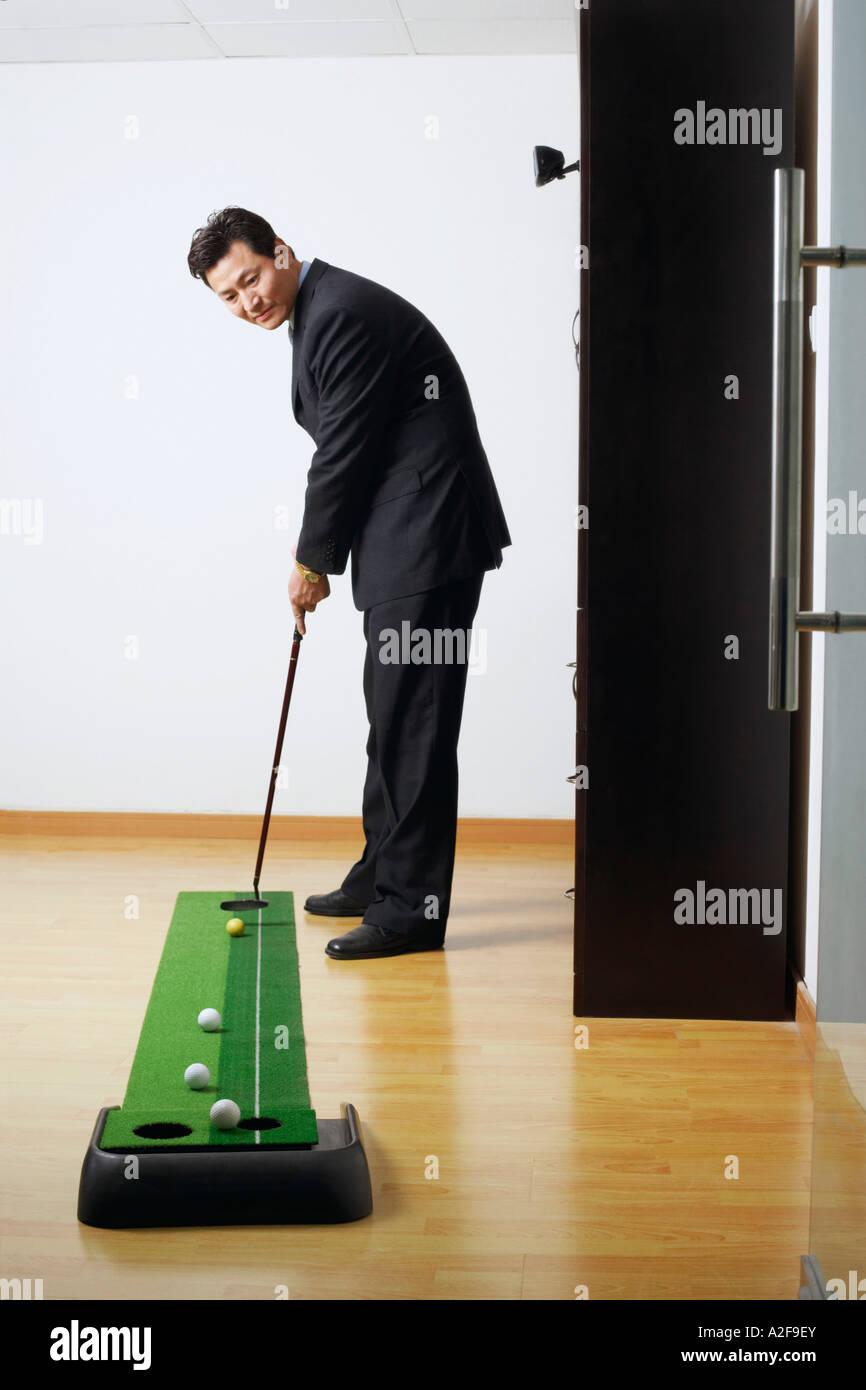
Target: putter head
244,904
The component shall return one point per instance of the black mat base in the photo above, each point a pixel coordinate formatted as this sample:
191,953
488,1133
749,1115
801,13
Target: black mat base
304,1184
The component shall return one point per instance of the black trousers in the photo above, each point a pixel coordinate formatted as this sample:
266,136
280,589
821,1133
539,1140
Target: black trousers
414,710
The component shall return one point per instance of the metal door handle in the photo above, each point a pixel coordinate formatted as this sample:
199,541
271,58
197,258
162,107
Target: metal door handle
789,257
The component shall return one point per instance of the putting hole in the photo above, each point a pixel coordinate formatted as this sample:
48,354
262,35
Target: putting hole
260,1122
162,1131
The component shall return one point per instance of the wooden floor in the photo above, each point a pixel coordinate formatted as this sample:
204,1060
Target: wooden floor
559,1168
838,1228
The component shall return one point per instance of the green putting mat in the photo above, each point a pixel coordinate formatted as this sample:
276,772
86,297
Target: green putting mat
257,1058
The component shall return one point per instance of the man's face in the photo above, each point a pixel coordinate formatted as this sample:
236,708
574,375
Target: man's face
252,286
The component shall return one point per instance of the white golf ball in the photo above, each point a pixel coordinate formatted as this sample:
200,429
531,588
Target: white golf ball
224,1114
209,1020
197,1076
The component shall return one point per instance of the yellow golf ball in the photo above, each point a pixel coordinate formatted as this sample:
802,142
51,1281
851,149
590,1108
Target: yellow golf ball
235,927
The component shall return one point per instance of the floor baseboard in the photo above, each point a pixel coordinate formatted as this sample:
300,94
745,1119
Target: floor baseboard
157,825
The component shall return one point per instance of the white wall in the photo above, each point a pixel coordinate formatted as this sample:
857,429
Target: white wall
821,465
838,894
158,512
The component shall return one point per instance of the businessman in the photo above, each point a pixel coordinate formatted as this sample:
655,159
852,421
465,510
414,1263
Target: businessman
400,482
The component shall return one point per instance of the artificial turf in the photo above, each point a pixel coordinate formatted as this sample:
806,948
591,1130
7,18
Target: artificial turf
203,967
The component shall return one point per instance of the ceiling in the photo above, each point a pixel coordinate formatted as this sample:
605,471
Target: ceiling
111,31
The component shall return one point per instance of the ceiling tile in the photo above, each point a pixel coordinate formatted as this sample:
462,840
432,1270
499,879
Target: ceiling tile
105,44
309,40
69,14
296,11
493,36
526,10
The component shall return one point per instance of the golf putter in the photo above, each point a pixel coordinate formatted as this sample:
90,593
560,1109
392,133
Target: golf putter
249,904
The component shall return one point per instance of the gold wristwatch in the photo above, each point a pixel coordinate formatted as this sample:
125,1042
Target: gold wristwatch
310,575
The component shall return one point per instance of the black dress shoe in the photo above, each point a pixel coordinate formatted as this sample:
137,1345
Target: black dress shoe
369,941
336,904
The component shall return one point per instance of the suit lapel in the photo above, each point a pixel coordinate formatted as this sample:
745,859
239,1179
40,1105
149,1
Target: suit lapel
305,295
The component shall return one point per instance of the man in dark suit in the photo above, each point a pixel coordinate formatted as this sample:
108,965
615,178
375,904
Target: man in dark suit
401,483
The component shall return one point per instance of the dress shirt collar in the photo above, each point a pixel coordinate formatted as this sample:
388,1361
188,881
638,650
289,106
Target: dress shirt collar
305,265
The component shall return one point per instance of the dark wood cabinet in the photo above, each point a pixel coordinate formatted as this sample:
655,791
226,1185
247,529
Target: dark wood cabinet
686,110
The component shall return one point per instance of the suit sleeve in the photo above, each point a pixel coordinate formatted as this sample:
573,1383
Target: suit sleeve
353,372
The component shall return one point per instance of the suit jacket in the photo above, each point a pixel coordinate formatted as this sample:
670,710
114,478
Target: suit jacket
399,479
